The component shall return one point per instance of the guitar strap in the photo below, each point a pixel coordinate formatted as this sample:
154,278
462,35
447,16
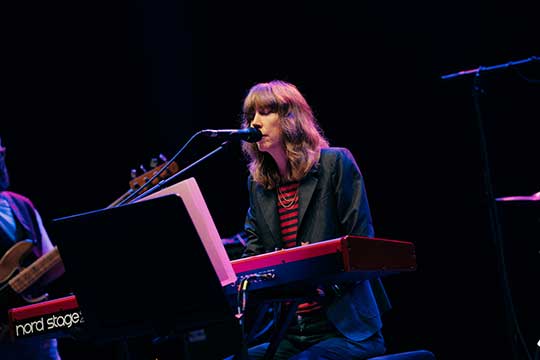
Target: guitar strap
5,239
5,242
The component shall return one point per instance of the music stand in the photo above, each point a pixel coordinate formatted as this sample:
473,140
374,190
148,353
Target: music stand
141,270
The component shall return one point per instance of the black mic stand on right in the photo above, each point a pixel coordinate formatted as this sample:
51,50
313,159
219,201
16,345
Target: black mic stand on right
512,323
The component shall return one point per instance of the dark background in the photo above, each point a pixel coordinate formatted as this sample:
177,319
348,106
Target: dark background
92,90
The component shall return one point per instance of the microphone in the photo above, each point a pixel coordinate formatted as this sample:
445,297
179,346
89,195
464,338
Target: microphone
249,134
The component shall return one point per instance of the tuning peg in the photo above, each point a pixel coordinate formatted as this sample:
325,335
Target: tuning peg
143,168
153,162
133,173
162,157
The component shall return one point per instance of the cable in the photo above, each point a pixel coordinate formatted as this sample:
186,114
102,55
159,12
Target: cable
524,77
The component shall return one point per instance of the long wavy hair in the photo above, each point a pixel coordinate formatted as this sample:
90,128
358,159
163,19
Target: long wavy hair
302,136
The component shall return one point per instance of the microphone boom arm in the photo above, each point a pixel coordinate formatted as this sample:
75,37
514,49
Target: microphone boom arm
172,180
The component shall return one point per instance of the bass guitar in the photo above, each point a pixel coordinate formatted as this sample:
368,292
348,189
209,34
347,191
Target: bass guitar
17,279
10,264
138,181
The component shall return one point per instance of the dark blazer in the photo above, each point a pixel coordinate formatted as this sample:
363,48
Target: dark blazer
332,203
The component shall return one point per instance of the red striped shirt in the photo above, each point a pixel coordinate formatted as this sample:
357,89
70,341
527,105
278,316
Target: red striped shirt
287,200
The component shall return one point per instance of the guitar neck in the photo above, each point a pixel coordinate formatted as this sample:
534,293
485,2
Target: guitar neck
117,201
33,272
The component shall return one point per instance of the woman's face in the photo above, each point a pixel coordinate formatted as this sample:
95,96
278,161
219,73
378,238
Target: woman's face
269,125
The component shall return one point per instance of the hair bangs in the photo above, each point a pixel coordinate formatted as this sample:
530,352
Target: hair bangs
262,98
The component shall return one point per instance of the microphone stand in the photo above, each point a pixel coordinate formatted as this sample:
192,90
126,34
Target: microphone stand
251,134
512,327
172,180
490,68
127,198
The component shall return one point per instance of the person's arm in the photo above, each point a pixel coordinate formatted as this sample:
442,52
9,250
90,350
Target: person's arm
355,217
46,244
45,247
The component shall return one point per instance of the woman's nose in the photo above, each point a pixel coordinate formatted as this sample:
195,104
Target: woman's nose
256,122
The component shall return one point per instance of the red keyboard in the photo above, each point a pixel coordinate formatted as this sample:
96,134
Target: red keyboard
346,258
45,319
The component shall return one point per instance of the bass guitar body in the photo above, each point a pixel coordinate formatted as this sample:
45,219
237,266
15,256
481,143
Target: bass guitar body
10,267
16,279
11,261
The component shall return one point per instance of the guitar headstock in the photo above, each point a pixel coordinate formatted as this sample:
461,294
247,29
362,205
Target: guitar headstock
139,180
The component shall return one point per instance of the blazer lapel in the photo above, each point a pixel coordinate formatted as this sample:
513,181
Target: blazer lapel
267,199
268,202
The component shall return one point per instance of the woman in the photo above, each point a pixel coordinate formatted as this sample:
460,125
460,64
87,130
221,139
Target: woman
303,191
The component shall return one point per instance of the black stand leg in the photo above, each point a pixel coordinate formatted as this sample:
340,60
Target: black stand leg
512,326
281,327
